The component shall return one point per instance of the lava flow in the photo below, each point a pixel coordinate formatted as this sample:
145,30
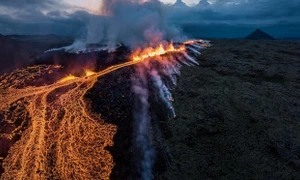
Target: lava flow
59,137
152,52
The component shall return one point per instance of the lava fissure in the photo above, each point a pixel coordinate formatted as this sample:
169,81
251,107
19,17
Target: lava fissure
64,140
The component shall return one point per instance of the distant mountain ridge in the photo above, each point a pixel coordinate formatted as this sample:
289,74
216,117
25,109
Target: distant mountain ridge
202,4
179,4
259,34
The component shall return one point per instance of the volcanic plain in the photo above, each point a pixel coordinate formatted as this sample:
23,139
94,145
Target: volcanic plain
238,113
237,116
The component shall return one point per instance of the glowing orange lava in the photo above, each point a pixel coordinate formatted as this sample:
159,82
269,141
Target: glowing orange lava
152,52
68,78
192,42
89,73
198,42
57,66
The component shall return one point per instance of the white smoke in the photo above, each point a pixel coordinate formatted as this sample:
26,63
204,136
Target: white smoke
164,92
145,154
134,23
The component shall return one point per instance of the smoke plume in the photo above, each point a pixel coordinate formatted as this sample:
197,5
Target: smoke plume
134,23
145,154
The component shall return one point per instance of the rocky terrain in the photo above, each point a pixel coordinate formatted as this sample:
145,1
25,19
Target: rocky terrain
18,51
238,113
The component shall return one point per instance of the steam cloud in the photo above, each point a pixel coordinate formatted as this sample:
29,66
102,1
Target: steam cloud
135,23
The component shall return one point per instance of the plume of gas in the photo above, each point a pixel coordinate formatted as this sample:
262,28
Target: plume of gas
162,65
145,155
134,23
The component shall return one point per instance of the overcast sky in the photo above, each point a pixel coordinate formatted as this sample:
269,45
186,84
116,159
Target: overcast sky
218,18
93,5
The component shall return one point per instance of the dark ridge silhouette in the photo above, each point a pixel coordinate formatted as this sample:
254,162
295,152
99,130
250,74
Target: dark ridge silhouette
179,4
202,4
259,34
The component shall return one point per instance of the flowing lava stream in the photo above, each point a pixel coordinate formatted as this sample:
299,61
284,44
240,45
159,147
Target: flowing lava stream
63,139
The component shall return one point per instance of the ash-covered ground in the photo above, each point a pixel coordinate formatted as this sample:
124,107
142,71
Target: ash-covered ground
238,113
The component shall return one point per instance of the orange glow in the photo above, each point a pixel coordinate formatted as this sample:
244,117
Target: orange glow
199,42
193,41
152,52
68,78
190,42
89,73
57,66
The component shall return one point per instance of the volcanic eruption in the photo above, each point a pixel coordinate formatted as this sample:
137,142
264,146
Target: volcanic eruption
50,125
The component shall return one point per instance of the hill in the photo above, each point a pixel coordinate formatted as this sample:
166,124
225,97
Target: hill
202,4
180,4
259,34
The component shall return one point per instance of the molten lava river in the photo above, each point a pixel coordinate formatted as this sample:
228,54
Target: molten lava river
48,130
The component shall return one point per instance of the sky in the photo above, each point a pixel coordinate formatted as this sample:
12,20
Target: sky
218,18
188,2
90,5
93,5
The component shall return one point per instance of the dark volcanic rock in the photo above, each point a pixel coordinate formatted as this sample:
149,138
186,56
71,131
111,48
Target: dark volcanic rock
238,113
111,97
259,34
20,51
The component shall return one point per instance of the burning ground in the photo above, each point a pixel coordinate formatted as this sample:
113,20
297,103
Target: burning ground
56,132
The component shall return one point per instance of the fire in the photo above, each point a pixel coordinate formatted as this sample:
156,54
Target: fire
57,66
199,42
89,73
68,78
152,52
194,41
190,42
